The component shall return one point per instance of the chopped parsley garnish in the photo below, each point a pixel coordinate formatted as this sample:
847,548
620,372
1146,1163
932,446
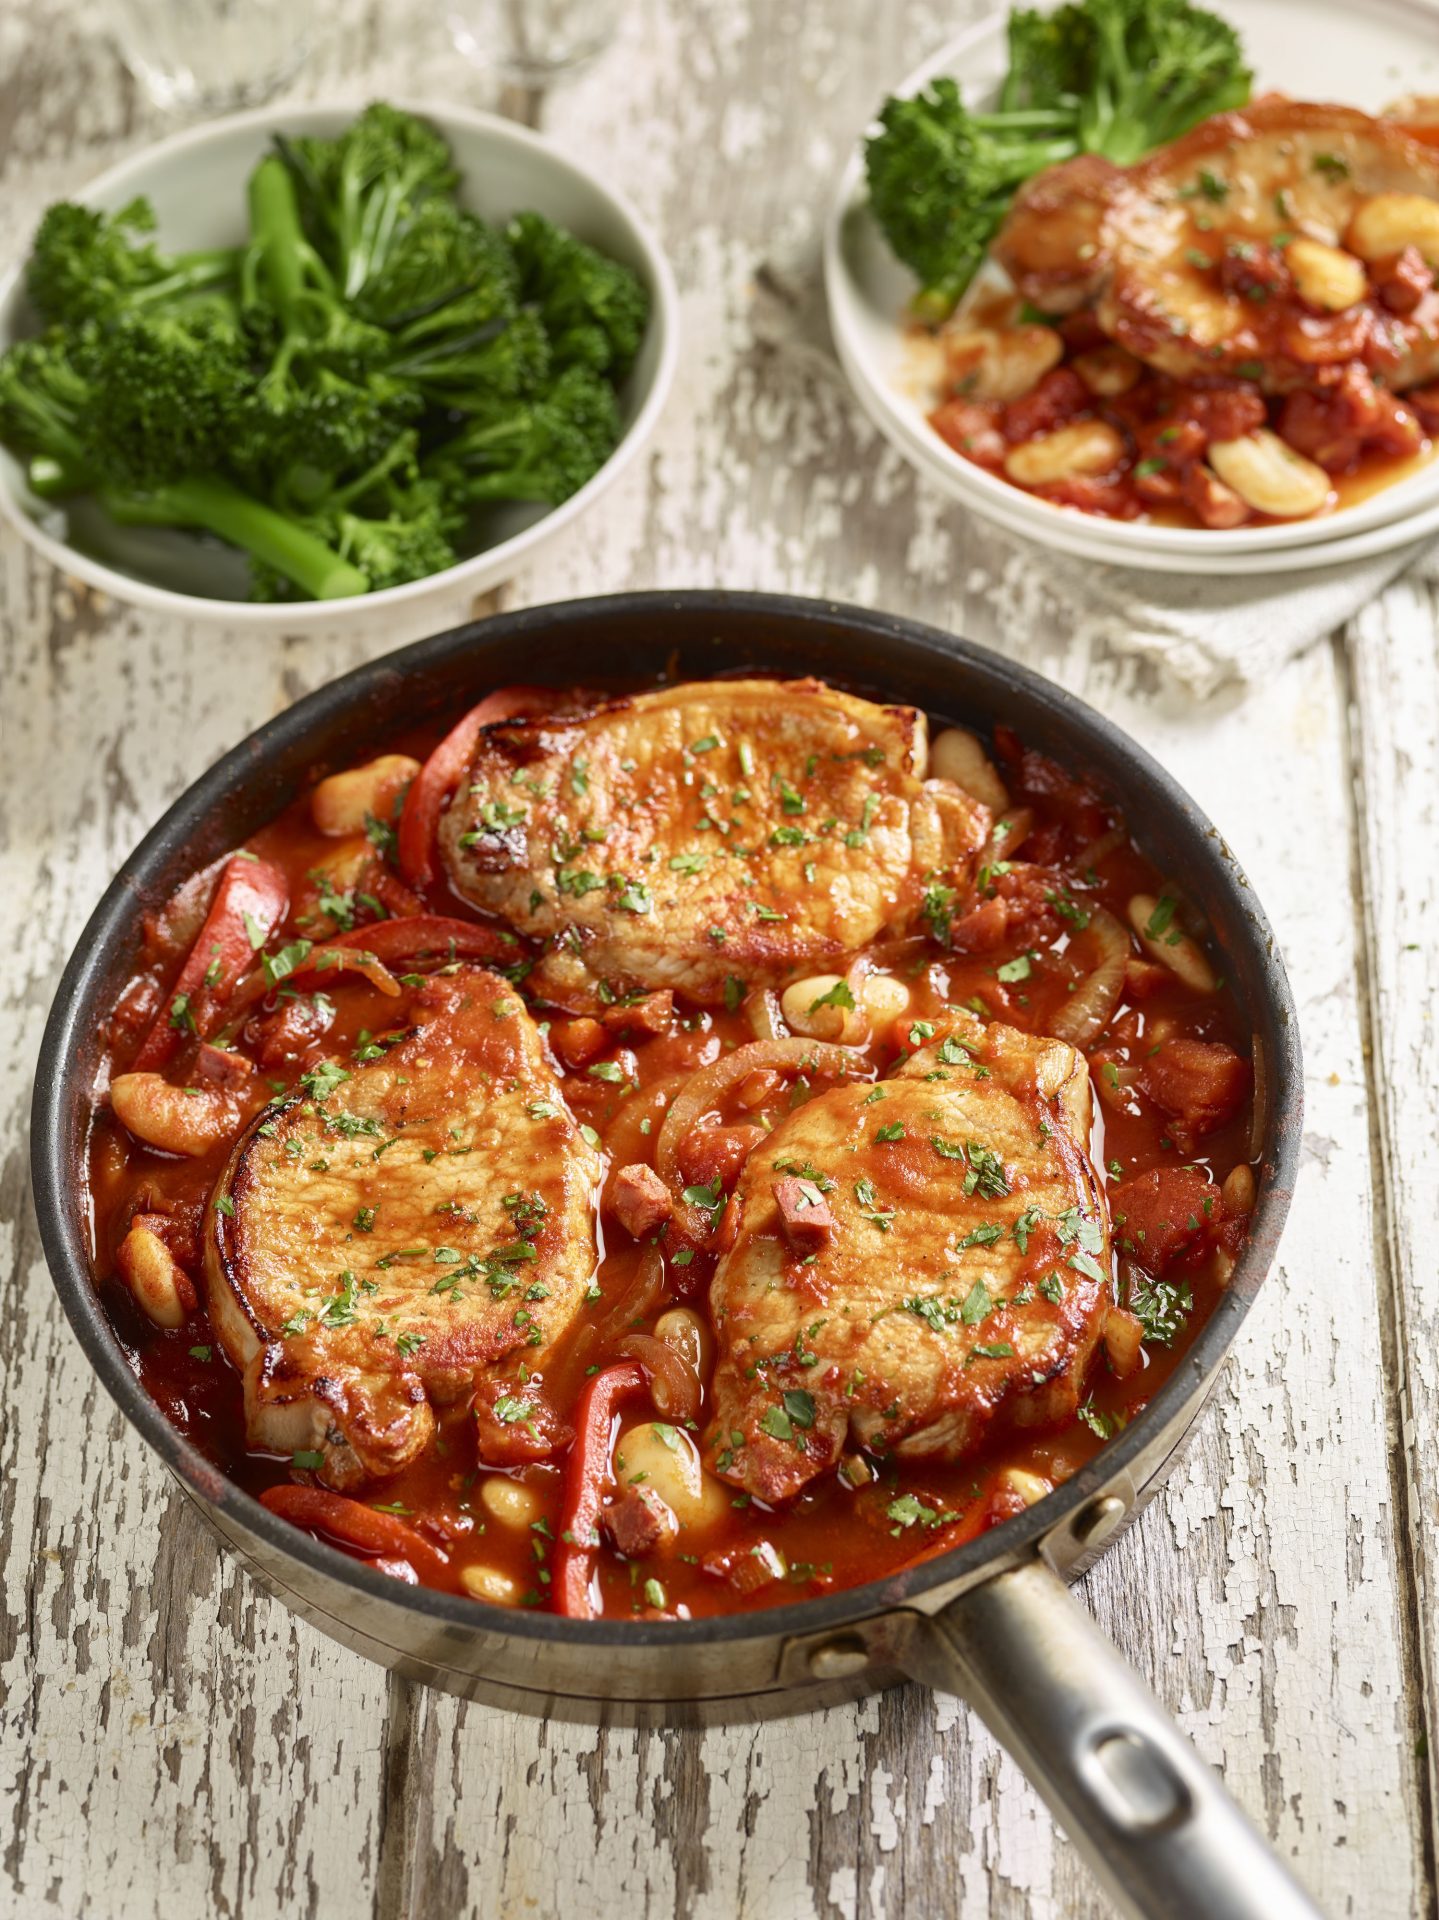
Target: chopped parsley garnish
279,966
938,909
1161,1308
710,1198
323,1078
1158,922
838,995
978,1305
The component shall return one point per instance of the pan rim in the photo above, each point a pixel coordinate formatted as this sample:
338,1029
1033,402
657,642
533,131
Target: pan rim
928,1580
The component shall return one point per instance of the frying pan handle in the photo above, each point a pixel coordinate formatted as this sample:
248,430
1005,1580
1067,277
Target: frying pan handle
1151,1819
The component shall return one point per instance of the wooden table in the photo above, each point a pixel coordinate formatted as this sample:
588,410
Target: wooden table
175,1744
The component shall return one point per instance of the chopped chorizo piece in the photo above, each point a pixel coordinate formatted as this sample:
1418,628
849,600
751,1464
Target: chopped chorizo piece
746,1568
1403,281
651,1013
1425,402
1216,504
1162,1214
1256,271
224,1067
1201,1084
515,1423
641,1200
638,1522
1060,396
281,1037
971,427
805,1220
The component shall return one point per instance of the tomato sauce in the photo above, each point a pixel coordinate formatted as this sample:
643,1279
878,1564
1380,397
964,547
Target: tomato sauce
1135,442
1007,952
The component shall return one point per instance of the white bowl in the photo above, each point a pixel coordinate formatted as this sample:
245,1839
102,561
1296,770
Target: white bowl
1315,49
196,183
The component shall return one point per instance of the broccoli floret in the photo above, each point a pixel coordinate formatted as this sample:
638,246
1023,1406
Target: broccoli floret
1158,67
471,369
1117,77
168,391
44,408
87,265
940,180
593,309
441,256
321,405
48,407
357,190
545,449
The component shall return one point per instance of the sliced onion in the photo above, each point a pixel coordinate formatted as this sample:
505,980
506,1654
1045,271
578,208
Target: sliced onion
706,1088
1089,857
674,1387
1090,1007
761,1009
640,1299
636,1305
1007,836
859,1025
257,984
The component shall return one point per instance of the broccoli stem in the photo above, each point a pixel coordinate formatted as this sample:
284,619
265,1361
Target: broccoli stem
219,508
285,255
52,479
192,273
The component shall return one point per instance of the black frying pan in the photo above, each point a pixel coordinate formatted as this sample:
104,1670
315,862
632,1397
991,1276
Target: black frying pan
991,1620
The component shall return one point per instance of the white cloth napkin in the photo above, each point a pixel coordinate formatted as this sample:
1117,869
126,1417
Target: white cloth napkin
1204,629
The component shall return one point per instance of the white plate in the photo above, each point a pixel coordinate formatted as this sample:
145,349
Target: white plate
196,182
1324,50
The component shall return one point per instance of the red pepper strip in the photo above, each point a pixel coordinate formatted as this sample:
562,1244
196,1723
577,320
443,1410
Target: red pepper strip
429,936
224,949
318,1511
586,1471
442,773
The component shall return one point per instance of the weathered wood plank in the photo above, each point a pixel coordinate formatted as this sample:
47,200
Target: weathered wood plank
1395,690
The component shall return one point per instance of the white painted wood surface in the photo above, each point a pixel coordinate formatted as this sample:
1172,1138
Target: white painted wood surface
172,1743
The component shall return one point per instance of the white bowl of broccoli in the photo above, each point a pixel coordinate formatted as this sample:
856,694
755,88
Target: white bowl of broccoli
317,354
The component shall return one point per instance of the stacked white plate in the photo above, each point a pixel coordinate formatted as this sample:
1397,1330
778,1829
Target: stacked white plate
1323,50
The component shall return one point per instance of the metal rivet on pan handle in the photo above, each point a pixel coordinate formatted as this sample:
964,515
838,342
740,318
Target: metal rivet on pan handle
1094,1525
840,1658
